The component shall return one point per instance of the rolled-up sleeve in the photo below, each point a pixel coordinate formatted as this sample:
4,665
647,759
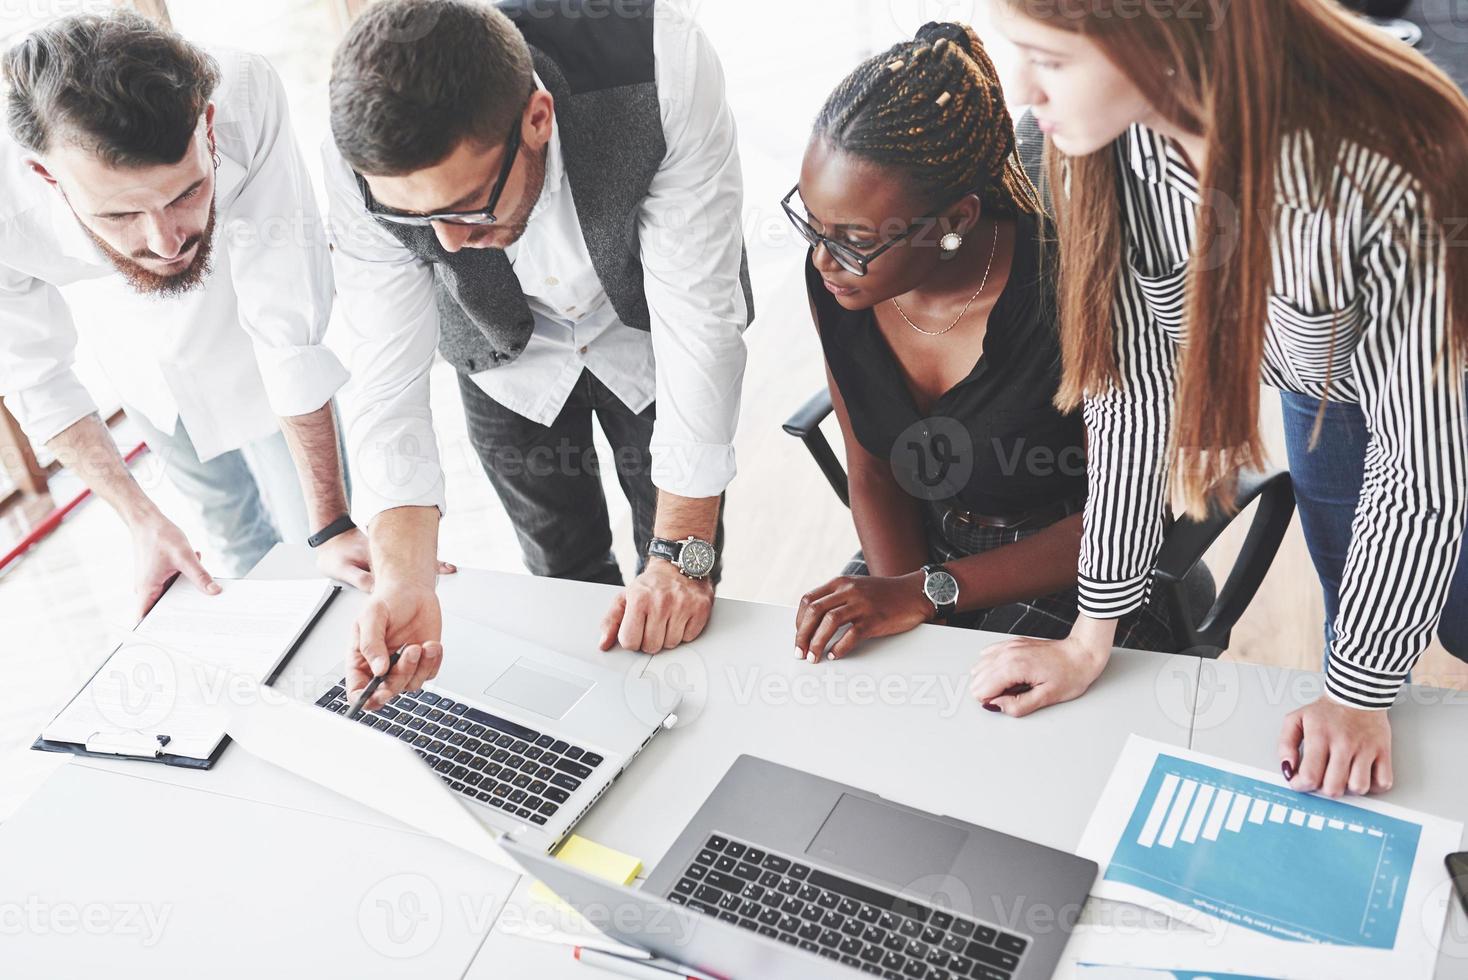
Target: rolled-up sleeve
692,257
278,256
37,353
1409,521
386,297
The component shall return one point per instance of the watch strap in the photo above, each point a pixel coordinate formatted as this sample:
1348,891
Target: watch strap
340,526
666,549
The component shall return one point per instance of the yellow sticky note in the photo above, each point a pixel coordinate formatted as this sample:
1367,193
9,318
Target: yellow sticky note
592,858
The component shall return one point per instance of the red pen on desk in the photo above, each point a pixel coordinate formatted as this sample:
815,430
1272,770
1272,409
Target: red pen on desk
626,966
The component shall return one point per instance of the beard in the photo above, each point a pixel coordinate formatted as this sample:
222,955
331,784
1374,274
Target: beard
150,283
509,231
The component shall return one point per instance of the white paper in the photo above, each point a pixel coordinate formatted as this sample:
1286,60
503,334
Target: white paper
247,627
1100,971
361,764
386,775
175,673
556,923
1274,893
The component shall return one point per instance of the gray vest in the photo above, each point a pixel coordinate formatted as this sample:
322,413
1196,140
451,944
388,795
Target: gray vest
602,73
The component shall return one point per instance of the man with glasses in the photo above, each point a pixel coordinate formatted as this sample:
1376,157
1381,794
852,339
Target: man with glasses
549,196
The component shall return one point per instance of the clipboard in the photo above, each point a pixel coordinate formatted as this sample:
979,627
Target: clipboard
148,746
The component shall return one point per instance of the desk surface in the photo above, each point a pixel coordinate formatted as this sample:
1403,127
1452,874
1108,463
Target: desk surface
895,719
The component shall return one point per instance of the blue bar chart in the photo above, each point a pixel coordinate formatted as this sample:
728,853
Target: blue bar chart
1266,858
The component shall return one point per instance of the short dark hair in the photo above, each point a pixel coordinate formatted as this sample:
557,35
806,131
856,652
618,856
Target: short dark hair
415,78
117,85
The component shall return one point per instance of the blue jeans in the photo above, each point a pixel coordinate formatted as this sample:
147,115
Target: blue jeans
250,498
1327,489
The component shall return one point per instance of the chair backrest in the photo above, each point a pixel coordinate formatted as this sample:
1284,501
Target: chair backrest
1186,543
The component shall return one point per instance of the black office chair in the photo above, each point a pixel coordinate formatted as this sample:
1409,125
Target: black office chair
1203,617
1379,8
1388,15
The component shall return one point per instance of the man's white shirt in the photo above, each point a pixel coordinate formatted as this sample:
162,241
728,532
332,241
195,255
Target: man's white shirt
226,358
692,362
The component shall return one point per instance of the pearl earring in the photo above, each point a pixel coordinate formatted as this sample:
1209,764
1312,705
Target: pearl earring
951,242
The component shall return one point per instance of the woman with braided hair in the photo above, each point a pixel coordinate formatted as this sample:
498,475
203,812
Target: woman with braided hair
933,300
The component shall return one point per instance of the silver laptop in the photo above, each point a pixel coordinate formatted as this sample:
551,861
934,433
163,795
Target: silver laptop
529,736
782,874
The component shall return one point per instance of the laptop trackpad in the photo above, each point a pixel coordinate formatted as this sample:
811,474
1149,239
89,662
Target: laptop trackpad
881,841
534,688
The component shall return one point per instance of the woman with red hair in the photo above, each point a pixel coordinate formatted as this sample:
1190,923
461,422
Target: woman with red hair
1247,191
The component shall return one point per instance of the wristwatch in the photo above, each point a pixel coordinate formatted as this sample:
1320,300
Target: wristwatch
341,525
941,588
692,556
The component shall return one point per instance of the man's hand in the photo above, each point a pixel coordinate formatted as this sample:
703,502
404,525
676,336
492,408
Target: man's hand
160,552
348,558
659,610
1335,749
396,616
869,606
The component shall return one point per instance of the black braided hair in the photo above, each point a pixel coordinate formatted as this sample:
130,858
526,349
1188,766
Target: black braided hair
932,109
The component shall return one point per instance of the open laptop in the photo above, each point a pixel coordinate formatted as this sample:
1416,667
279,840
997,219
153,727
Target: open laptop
782,874
529,736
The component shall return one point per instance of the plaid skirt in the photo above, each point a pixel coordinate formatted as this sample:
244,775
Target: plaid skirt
1048,617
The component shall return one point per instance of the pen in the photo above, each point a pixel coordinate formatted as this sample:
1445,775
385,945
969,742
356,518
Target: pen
626,966
372,685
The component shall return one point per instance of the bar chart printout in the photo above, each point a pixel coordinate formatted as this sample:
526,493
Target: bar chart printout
1266,858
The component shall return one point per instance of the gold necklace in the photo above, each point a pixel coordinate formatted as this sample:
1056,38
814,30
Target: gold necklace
938,333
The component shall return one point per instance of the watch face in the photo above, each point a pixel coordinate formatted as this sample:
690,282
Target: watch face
697,559
941,588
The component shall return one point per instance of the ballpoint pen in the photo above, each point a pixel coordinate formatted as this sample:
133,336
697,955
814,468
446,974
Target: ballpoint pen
372,685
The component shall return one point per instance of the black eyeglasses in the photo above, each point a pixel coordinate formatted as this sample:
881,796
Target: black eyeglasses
479,216
849,258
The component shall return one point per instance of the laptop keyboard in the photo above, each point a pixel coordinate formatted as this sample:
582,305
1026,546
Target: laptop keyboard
481,756
840,919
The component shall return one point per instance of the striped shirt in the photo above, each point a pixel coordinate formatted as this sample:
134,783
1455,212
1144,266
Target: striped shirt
1354,304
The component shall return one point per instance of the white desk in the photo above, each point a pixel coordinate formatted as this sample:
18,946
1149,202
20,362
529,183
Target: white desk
895,719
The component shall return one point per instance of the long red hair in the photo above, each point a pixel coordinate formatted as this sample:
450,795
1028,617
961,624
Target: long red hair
1242,73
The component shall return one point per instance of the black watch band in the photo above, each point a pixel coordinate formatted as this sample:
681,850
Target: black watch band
666,549
341,525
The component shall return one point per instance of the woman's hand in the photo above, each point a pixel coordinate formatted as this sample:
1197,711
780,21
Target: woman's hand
1336,749
1024,675
869,606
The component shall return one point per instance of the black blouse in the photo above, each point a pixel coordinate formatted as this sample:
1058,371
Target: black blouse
993,444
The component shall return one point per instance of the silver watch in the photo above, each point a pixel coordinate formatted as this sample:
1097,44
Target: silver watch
941,588
692,556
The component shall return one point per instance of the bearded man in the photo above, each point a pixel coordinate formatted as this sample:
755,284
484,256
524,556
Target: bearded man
163,183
